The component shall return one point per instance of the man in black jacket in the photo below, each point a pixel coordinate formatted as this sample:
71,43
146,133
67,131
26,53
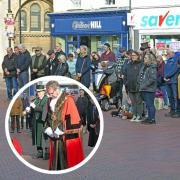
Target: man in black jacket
23,61
9,68
51,64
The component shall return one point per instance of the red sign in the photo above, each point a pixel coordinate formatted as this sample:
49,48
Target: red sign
161,45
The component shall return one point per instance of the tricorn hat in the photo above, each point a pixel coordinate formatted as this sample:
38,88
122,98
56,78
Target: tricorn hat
40,88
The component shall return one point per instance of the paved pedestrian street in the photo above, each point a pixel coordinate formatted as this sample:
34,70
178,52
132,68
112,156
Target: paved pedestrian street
128,151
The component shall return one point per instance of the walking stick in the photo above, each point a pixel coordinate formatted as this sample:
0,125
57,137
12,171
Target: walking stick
56,154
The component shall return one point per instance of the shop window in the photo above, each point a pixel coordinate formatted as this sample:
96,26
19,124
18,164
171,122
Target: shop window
23,21
76,3
35,17
109,2
46,22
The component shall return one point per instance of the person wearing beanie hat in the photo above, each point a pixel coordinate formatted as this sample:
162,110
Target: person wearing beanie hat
108,55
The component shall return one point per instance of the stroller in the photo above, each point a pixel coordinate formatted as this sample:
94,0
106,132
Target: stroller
107,88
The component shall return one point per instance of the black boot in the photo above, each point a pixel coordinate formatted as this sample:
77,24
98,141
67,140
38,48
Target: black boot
46,155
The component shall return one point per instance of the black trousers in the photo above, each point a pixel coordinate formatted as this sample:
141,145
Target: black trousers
15,119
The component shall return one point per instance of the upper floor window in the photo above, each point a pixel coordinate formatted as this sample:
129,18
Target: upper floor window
35,17
46,22
23,21
76,3
109,2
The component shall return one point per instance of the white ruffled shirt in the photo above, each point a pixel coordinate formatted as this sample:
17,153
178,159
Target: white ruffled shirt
53,103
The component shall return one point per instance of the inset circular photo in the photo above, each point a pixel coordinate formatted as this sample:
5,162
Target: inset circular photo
54,125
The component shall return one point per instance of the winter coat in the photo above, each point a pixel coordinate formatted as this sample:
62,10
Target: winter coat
62,69
160,74
148,78
131,76
10,64
17,107
83,66
40,65
82,104
51,66
23,61
108,57
171,71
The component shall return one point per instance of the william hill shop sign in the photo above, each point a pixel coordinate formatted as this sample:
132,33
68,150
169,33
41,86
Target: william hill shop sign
86,25
164,18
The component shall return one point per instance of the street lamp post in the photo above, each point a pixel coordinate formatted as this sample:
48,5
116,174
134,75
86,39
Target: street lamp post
9,24
20,31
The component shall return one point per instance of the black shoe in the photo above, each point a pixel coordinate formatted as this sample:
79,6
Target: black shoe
149,122
175,115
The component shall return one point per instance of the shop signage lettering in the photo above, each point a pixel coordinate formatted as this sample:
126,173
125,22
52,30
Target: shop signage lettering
165,19
86,25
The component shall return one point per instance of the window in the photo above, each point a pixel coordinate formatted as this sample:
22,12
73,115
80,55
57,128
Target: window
109,2
35,18
76,3
23,21
46,22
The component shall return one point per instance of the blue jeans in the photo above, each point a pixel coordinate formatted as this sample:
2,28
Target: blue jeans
11,86
23,78
165,95
149,100
172,93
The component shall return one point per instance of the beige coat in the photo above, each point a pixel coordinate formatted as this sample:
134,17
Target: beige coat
17,107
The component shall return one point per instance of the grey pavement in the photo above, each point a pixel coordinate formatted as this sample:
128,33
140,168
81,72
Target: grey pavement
128,151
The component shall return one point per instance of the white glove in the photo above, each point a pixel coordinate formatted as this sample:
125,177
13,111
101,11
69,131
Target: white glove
58,133
49,132
28,109
32,105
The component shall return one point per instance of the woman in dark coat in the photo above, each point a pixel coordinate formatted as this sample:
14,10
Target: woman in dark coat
83,66
63,68
93,123
131,78
82,106
148,85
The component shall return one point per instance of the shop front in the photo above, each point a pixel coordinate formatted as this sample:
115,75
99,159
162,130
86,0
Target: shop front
93,29
159,26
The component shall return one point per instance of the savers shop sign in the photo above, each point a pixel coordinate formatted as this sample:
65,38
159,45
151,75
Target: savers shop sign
158,19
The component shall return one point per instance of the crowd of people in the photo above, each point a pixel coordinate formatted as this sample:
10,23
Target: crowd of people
147,78
57,122
143,73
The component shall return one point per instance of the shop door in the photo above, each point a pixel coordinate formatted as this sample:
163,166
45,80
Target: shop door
71,47
72,43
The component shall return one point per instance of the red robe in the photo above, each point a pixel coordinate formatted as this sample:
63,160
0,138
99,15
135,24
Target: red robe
74,150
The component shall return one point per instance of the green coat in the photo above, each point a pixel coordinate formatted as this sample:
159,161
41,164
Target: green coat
39,115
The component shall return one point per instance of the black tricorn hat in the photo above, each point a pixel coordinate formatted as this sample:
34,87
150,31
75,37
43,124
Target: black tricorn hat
40,88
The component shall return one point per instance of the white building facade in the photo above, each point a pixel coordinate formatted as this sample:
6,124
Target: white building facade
155,21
